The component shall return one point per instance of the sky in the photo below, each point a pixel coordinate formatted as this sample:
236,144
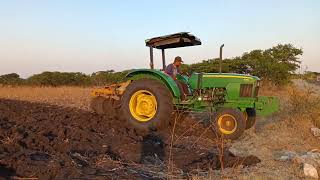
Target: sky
90,36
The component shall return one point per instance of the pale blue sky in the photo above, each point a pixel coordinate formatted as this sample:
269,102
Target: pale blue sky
88,36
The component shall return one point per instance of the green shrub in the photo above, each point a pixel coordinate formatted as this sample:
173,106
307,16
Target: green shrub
107,77
59,79
11,79
276,64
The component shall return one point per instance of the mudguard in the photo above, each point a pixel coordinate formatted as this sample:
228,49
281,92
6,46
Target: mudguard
267,105
158,75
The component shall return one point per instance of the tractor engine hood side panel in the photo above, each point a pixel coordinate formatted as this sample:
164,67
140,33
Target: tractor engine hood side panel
220,80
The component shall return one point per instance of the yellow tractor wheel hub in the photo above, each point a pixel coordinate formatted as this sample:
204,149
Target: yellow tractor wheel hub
227,124
143,105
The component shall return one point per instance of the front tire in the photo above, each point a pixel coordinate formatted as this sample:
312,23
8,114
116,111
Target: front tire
229,123
250,118
147,104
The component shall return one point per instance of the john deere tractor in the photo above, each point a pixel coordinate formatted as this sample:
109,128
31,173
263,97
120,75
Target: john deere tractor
148,98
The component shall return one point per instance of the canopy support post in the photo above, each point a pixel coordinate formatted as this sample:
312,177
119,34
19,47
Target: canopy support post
151,58
220,59
163,59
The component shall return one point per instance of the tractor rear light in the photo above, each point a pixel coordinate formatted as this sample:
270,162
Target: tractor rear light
246,90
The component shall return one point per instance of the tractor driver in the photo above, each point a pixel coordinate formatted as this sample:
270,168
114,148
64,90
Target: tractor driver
172,70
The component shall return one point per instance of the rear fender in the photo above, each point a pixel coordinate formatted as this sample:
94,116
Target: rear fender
267,105
158,75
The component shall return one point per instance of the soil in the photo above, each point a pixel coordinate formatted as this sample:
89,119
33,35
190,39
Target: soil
47,141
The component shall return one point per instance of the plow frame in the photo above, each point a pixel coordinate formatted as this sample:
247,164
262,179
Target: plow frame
113,91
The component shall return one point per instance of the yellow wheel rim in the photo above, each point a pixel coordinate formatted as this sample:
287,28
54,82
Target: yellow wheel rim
227,124
143,105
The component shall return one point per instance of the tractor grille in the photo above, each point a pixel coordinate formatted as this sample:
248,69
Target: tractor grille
246,90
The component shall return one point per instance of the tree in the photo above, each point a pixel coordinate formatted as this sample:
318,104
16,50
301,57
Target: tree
11,79
59,79
275,64
107,77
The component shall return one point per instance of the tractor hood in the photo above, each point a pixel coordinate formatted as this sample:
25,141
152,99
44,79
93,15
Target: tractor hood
208,80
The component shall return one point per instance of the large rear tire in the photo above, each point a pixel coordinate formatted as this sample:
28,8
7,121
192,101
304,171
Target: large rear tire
147,105
229,123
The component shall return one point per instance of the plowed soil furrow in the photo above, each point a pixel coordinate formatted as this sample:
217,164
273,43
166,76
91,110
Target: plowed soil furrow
52,142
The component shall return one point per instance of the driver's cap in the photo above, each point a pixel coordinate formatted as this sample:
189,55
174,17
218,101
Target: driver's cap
178,59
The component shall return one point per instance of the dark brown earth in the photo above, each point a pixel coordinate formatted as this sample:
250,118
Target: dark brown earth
52,142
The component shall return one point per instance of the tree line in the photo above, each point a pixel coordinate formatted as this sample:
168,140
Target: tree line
64,79
276,65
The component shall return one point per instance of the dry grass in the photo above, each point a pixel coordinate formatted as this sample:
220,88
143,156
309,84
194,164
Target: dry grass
62,96
7,140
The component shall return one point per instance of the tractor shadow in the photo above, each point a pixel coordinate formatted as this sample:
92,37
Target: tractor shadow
188,157
152,150
6,172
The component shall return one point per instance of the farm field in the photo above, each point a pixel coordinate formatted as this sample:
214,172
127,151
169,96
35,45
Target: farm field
51,133
140,90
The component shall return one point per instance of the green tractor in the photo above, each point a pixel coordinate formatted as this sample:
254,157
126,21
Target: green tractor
148,98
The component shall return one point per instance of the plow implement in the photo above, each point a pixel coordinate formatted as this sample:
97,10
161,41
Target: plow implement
107,99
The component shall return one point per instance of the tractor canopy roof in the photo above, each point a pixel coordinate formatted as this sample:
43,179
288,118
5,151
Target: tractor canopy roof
181,39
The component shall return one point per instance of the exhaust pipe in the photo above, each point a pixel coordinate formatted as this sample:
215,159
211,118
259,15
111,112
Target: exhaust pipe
220,59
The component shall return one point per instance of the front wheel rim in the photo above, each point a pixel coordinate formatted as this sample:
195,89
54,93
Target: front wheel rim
227,124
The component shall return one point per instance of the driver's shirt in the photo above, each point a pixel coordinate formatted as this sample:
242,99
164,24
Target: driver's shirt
172,70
